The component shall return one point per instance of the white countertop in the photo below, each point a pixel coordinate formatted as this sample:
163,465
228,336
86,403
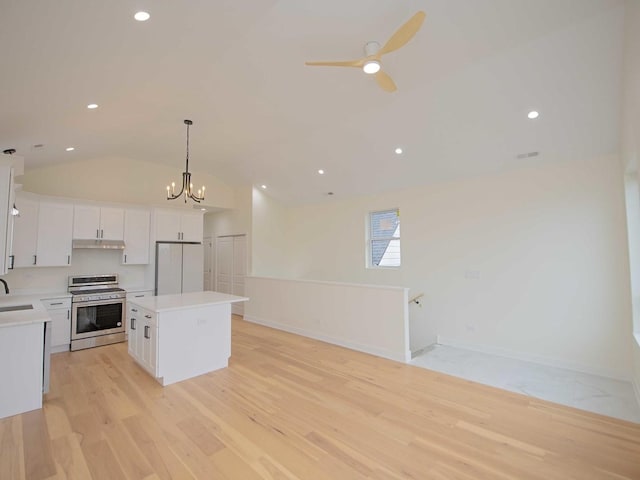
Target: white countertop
22,317
164,303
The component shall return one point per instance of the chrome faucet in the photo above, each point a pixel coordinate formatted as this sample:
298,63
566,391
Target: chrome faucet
6,287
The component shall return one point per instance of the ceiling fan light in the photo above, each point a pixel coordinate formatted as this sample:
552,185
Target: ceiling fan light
371,67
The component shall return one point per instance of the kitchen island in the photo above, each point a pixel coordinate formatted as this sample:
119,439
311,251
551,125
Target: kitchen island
24,354
176,337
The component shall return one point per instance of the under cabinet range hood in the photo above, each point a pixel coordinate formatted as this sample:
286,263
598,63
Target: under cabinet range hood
99,244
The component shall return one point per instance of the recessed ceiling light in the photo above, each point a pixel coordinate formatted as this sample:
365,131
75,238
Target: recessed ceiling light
263,186
92,106
533,114
321,172
70,149
142,16
203,209
398,150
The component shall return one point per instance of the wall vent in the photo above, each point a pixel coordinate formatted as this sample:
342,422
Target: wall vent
527,155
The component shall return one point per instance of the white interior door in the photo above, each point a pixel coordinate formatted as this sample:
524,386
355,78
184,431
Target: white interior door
231,267
224,264
208,263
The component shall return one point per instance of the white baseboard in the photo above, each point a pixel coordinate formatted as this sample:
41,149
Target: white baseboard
550,362
379,352
636,389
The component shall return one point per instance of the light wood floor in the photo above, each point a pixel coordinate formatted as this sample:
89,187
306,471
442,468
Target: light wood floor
294,408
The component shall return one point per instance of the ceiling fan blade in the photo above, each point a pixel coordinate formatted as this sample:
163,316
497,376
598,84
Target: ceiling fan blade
385,82
352,63
403,34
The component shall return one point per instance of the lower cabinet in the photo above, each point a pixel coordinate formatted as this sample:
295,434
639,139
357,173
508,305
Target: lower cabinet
143,338
131,296
59,309
181,341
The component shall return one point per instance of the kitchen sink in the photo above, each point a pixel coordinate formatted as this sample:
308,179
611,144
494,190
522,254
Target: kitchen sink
15,308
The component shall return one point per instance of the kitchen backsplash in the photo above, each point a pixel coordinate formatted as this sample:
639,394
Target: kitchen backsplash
54,279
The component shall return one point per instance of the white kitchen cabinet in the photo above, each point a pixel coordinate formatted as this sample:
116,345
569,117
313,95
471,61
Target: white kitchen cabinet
136,237
143,338
182,336
55,226
103,223
59,309
175,226
131,296
42,234
25,233
7,197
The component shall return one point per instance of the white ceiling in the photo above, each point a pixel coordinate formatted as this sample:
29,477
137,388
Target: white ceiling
236,68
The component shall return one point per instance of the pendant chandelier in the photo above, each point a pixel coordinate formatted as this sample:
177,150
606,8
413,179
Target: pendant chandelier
187,186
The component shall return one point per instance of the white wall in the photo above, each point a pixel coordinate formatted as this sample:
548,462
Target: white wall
630,142
547,243
235,221
370,319
118,179
270,245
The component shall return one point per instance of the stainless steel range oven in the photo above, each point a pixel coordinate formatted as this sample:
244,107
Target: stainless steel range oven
97,311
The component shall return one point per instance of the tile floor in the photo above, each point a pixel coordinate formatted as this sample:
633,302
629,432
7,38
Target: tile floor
602,395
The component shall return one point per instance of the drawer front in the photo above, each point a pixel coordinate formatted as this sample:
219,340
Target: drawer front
139,294
54,303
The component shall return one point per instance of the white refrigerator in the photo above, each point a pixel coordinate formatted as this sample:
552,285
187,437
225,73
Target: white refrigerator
179,268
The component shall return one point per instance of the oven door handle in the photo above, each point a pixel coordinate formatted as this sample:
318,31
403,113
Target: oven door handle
109,301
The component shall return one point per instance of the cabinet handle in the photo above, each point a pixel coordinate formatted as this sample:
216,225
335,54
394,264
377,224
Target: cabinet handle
57,303
11,259
147,316
138,296
134,310
68,314
68,259
125,258
35,259
101,233
133,324
97,233
146,331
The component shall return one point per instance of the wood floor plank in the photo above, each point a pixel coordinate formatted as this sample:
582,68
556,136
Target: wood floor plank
38,458
289,407
11,448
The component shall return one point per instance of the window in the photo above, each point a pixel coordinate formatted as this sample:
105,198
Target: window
384,239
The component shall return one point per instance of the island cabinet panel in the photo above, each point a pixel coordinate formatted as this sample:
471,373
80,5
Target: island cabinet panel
193,342
176,337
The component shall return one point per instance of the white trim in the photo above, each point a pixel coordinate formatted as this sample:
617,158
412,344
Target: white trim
551,362
379,352
636,390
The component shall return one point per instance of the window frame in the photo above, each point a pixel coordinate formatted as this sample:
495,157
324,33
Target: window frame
370,239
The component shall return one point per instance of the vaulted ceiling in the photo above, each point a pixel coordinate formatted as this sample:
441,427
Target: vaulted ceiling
236,68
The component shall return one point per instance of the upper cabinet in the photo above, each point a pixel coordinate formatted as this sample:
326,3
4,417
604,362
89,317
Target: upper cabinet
136,237
6,214
25,233
175,226
100,223
42,234
55,221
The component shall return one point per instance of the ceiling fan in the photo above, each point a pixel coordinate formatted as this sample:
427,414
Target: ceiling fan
371,63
